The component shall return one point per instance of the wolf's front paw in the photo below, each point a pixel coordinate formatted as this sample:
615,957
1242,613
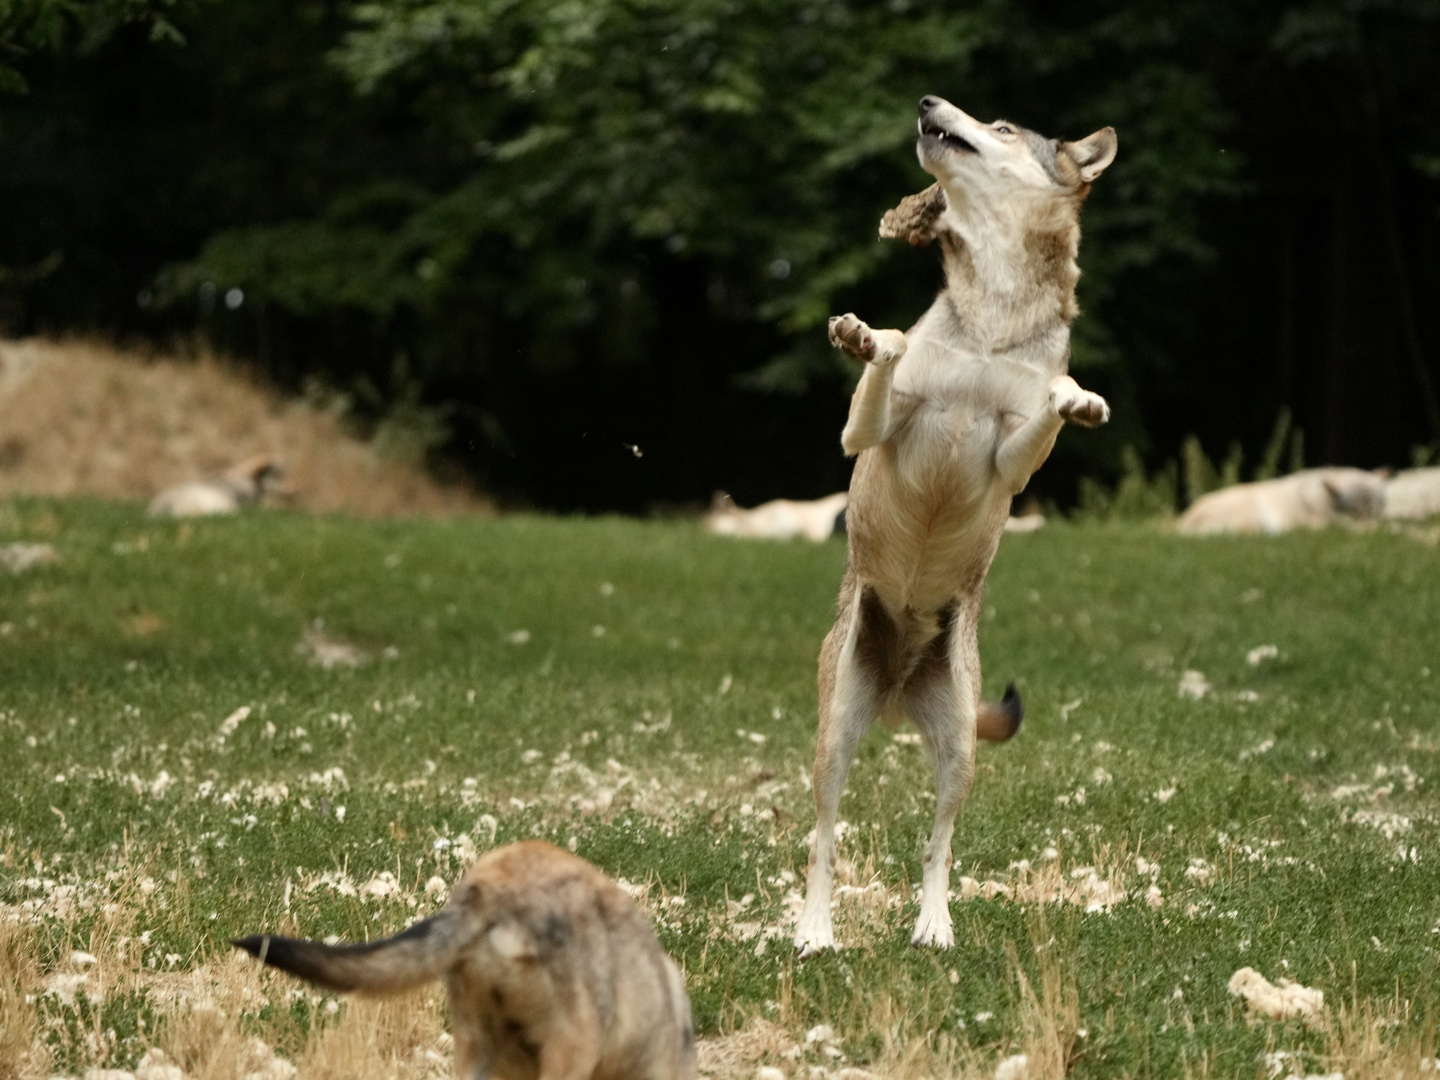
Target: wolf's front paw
1078,406
851,335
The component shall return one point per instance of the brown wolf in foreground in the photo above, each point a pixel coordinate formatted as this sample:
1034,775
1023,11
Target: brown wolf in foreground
551,972
949,421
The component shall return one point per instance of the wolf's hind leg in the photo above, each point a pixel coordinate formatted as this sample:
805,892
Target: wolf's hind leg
571,1049
850,693
474,1047
940,698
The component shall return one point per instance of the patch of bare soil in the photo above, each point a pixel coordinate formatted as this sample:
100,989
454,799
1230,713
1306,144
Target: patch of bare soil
80,418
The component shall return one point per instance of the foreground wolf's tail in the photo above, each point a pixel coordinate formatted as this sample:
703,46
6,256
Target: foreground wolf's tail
996,721
412,957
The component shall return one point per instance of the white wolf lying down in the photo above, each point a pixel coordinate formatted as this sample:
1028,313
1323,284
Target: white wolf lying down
816,519
1311,499
240,486
1413,494
778,519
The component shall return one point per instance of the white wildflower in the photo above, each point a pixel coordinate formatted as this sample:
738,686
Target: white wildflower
1258,655
1193,684
233,721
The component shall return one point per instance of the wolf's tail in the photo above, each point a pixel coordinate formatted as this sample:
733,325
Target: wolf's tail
414,956
997,721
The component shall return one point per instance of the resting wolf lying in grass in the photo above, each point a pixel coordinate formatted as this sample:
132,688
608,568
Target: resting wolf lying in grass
551,972
1310,499
949,421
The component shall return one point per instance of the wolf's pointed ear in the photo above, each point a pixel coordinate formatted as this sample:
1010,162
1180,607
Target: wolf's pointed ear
915,219
1094,153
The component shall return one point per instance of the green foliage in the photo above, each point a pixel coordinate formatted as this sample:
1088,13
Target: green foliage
1137,496
54,25
1200,475
1280,438
761,141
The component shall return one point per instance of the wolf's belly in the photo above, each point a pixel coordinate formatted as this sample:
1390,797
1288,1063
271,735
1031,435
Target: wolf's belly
922,537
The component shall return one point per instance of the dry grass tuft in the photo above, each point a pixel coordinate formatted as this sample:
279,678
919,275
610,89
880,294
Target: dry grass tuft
21,1054
1379,1040
905,1018
1050,1019
81,418
380,1039
210,1024
735,1055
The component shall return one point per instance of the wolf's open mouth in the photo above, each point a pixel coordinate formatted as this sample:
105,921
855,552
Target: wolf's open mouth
950,139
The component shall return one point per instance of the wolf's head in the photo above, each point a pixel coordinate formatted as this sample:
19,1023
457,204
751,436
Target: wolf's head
1005,208
1004,161
256,477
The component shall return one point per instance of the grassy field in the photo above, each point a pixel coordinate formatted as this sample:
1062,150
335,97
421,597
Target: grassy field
184,767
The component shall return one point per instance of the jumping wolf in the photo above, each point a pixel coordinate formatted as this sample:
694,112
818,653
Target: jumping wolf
949,421
550,969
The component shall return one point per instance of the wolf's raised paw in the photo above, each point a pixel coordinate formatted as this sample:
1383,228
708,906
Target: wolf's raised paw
1078,406
852,336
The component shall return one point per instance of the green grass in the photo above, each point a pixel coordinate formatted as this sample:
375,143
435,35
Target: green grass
119,663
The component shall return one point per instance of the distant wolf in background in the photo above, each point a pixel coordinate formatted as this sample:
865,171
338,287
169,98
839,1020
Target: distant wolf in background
1309,499
243,485
778,519
949,420
815,519
550,969
1413,494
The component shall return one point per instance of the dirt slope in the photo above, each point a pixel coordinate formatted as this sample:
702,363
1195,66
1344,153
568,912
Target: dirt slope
81,418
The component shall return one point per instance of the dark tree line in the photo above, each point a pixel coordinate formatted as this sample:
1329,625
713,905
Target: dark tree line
551,233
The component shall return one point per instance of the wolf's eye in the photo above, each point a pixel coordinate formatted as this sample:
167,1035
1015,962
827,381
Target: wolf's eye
1004,129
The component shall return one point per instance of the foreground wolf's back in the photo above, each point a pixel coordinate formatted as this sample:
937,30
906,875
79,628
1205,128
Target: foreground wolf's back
543,957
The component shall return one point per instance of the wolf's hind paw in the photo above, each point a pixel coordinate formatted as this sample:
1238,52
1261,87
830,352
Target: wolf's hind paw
814,934
934,930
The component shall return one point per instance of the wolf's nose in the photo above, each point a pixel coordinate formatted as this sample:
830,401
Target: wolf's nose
927,103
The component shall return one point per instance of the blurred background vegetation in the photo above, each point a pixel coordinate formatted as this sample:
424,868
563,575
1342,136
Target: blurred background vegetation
584,250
